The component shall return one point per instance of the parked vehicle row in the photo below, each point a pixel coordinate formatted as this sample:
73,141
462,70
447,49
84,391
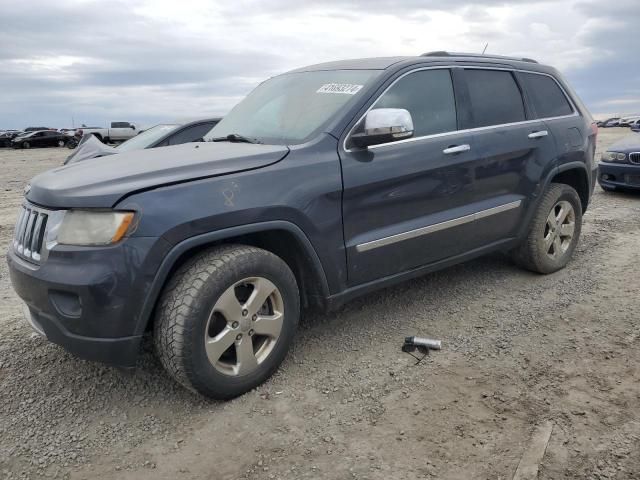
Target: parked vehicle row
631,122
323,184
42,138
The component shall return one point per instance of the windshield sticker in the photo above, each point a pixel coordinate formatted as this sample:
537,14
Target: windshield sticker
345,88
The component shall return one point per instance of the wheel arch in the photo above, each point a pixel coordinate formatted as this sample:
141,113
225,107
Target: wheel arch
576,175
282,238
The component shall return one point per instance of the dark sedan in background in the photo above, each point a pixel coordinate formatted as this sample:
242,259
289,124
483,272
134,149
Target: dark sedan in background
42,138
157,136
619,167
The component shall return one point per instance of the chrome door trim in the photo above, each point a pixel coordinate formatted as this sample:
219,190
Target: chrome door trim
574,113
436,227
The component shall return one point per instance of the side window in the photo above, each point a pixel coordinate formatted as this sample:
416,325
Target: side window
547,97
190,134
120,125
495,97
428,96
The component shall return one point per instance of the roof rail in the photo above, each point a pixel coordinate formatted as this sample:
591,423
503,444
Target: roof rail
442,53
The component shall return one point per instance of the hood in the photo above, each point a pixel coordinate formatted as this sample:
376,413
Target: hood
101,182
90,148
629,144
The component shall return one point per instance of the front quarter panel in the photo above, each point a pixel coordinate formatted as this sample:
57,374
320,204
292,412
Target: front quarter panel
304,189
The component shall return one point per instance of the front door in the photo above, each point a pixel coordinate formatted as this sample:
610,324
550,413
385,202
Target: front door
409,203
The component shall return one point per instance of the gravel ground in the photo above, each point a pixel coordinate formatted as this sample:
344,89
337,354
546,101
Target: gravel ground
518,349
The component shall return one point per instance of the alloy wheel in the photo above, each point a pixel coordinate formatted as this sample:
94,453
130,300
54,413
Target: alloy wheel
559,229
244,326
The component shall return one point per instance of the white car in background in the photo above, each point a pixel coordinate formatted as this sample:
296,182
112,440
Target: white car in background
116,133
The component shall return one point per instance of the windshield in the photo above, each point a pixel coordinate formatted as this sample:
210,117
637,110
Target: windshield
146,138
288,109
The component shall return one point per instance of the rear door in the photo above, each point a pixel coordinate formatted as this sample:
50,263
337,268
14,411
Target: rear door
51,138
514,149
408,203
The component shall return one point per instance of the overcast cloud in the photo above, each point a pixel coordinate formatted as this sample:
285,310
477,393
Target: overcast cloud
153,61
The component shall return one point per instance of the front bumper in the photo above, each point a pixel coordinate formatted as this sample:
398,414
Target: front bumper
624,176
88,300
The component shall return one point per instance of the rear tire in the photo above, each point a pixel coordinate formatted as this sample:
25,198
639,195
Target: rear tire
61,143
554,231
214,333
26,145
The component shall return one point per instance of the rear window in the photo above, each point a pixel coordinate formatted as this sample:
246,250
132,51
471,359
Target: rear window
547,97
495,97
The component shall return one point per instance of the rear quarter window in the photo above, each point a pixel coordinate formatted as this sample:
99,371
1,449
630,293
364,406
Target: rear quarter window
546,96
495,97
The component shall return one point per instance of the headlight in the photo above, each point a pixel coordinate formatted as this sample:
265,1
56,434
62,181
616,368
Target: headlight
614,157
84,227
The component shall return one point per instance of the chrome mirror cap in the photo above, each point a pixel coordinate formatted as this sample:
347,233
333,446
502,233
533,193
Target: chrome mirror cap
384,125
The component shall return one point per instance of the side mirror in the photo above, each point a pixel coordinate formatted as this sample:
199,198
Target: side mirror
384,125
133,127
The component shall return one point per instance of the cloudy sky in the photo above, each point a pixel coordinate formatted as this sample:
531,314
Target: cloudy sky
150,61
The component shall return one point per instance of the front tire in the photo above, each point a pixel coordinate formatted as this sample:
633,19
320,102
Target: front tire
554,231
61,143
226,320
26,145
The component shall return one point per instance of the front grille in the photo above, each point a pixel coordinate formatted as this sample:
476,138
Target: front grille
634,157
30,233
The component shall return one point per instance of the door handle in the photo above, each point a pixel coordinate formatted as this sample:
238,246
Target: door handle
457,149
539,134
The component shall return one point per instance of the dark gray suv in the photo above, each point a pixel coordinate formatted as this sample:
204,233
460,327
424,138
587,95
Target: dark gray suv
324,183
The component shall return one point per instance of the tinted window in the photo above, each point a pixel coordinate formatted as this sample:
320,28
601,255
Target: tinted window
495,97
120,125
191,134
547,97
428,96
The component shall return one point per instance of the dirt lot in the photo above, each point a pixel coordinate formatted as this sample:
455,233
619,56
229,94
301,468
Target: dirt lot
518,350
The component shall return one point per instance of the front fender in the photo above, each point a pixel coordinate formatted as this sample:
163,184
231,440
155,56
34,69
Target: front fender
184,246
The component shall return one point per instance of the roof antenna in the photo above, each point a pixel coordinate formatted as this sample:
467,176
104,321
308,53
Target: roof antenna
485,48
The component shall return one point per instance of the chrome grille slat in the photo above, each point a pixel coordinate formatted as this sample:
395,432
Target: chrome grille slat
30,233
18,231
634,157
23,229
36,234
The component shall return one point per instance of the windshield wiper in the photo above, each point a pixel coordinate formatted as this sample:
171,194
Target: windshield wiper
235,137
